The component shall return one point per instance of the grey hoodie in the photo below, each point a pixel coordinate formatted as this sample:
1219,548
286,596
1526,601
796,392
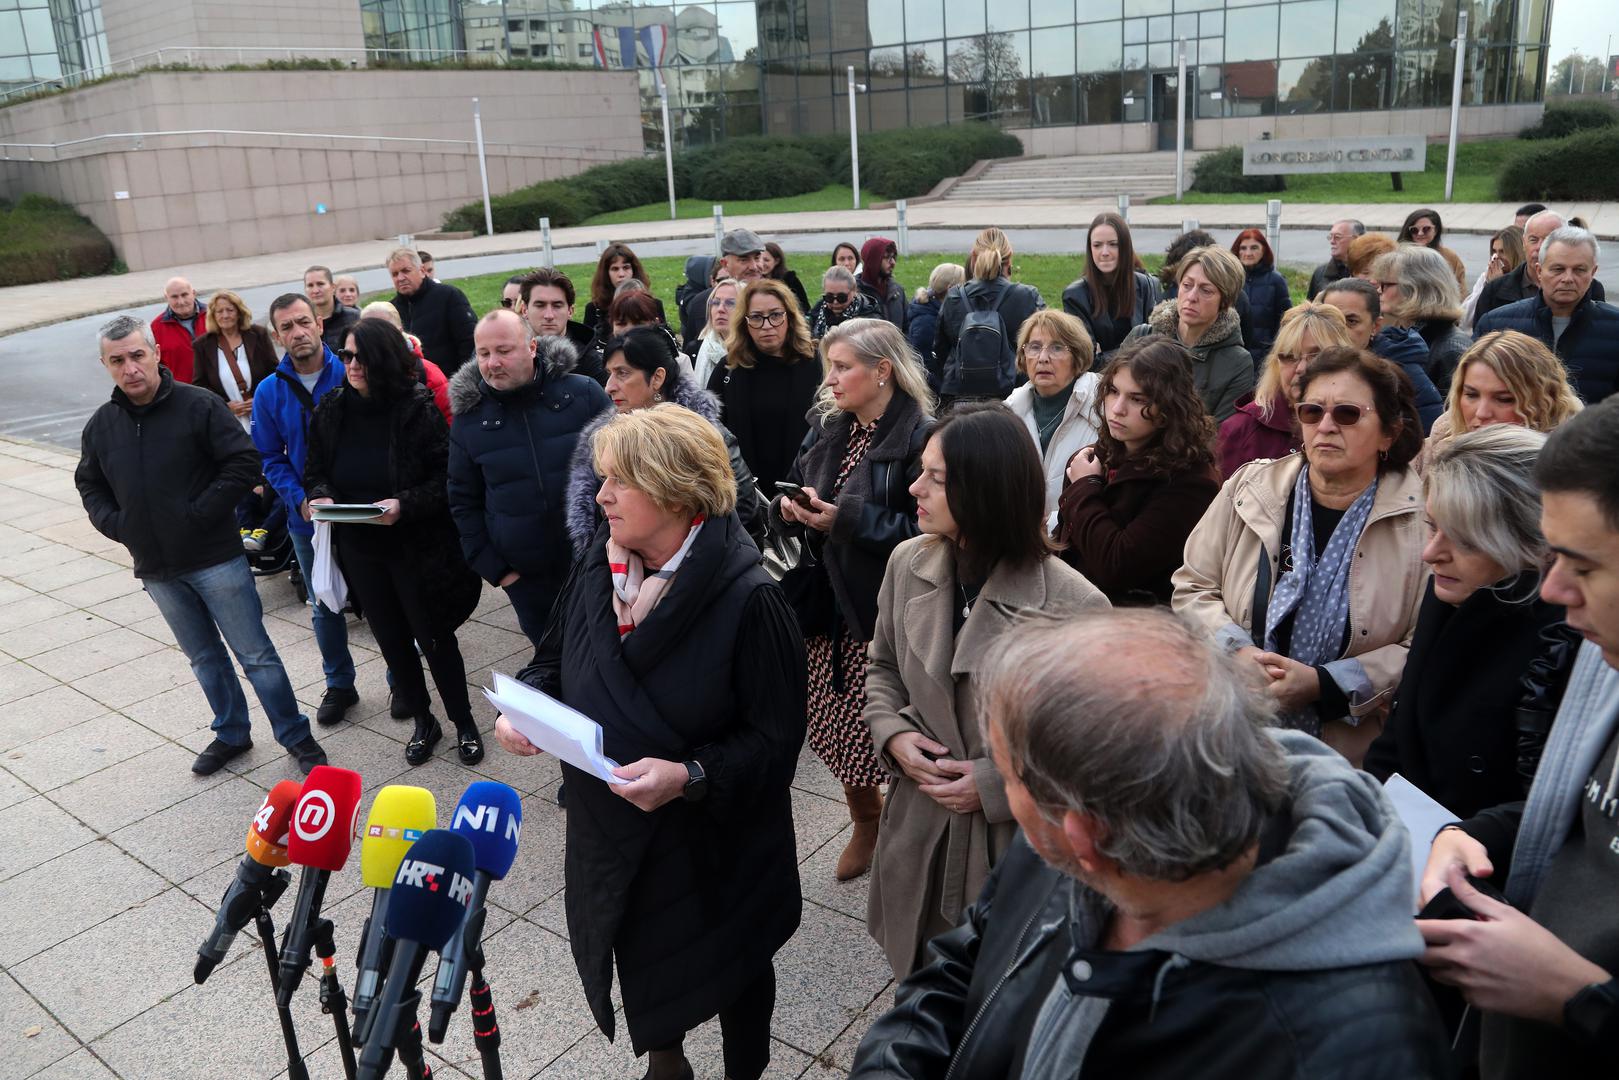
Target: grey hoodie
1337,895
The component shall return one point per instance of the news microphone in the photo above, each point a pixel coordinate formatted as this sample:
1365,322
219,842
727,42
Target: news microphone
400,815
319,839
490,815
426,906
258,882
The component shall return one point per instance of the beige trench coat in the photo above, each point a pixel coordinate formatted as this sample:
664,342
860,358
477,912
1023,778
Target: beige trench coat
1214,587
932,862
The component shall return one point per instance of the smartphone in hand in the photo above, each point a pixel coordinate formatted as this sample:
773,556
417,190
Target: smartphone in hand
794,492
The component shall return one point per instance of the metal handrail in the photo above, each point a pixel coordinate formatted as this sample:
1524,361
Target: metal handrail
144,60
141,136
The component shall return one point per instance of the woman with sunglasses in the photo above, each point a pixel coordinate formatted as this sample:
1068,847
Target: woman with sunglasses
841,300
1310,566
769,379
1424,229
379,439
1263,425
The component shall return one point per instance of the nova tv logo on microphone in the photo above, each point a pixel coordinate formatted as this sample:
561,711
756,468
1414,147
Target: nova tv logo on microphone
314,816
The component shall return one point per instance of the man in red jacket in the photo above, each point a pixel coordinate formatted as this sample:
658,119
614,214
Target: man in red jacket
181,323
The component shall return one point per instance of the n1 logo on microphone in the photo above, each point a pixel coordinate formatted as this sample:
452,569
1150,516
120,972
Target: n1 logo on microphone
486,818
417,874
314,816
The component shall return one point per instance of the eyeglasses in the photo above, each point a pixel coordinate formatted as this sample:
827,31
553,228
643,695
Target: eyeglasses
348,356
1343,414
507,301
1388,284
1055,350
761,318
726,304
838,297
1422,230
1296,358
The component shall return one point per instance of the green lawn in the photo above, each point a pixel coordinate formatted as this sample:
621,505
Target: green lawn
1051,274
1477,164
833,197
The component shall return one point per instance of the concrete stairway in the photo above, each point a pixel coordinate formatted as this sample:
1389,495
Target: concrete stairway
1099,177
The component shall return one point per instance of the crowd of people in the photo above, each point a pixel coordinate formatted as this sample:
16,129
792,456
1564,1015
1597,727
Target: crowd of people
1109,621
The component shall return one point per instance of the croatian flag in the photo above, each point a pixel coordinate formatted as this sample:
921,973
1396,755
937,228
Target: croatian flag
652,40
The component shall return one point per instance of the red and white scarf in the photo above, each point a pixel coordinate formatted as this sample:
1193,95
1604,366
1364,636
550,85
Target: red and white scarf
635,594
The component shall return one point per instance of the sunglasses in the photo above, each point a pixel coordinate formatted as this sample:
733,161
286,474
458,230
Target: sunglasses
507,302
1343,414
773,318
1422,230
348,356
838,297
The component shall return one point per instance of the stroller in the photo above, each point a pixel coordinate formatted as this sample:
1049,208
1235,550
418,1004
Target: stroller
274,553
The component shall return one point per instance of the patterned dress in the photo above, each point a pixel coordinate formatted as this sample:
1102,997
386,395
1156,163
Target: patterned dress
837,674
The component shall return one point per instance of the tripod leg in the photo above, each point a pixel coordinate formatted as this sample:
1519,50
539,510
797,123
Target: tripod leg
485,1029
332,1000
295,1061
410,1052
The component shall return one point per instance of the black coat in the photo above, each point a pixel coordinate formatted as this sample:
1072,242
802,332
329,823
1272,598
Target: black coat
1024,301
921,325
418,455
1589,348
509,457
442,317
1446,343
595,320
692,899
876,510
764,407
1107,332
1453,731
334,330
1324,275
969,1013
163,479
1268,300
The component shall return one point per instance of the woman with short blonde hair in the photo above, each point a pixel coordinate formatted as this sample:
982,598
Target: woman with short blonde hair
672,455
1202,317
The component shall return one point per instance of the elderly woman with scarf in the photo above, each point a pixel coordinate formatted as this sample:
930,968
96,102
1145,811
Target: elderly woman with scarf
1311,565
671,636
877,258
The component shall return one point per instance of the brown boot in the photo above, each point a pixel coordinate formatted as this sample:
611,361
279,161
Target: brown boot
865,807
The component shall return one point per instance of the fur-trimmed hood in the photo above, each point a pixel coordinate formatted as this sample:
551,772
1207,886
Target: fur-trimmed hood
1226,329
556,356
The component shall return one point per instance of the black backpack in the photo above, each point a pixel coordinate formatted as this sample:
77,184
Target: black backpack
983,364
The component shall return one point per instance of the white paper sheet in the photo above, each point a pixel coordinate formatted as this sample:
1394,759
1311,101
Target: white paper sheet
1423,818
346,513
554,727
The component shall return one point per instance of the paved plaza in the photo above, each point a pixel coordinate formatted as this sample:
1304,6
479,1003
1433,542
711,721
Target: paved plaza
113,856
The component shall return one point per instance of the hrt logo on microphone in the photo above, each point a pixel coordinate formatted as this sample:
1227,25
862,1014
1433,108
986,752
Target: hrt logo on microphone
417,874
485,818
314,816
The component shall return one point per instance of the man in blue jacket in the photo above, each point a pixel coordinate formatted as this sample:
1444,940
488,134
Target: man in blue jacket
282,407
1565,317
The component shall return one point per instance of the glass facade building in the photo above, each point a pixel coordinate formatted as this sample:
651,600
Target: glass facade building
736,67
44,40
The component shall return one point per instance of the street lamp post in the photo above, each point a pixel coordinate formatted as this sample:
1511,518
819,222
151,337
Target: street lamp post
1180,119
1456,101
854,139
668,148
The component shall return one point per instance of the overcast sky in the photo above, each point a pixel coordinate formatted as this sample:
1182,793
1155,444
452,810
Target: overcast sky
1583,25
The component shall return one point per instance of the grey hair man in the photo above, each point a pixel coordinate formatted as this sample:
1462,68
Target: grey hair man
164,464
1187,870
1337,264
1566,315
439,315
1524,282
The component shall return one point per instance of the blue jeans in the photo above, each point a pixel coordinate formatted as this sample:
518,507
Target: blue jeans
202,605
331,631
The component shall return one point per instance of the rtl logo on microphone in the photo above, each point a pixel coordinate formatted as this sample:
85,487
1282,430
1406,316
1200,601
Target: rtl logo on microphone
417,874
391,833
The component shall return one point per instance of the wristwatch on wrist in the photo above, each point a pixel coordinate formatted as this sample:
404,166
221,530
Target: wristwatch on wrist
696,789
1592,1015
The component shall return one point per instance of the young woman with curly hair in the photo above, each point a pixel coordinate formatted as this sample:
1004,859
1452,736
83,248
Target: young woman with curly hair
1131,500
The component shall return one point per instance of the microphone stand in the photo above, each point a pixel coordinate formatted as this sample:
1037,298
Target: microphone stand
266,928
332,1000
485,1030
409,1043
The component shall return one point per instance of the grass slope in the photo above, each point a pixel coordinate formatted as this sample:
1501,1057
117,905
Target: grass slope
1477,164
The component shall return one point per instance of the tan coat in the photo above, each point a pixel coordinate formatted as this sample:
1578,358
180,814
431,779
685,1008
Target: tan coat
1214,587
931,862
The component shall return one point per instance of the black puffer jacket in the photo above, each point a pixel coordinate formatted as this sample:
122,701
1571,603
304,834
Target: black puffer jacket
163,479
442,317
1589,348
692,899
418,453
876,510
1446,343
584,516
509,457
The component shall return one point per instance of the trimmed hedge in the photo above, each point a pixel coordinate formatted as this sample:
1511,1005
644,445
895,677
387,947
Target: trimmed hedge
1571,117
1580,167
1221,173
44,240
900,164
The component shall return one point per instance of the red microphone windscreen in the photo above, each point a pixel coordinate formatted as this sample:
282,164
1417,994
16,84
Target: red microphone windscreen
323,821
267,835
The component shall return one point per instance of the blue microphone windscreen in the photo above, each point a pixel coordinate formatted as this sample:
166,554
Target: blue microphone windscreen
432,889
491,816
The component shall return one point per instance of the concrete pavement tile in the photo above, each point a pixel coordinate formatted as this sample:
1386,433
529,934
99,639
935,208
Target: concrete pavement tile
504,617
52,633
15,541
176,712
816,821
183,839
482,645
34,832
38,556
80,889
813,775
78,751
52,483
70,571
157,628
817,877
18,680
539,1004
45,713
75,532
838,1059
29,608
139,679
376,759
106,587
136,788
593,1056
99,652
53,515
536,875
126,610
825,976
22,1054
83,1065
12,790
120,968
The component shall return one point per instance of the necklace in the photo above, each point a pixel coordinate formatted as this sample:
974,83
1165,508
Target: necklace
1051,425
966,601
